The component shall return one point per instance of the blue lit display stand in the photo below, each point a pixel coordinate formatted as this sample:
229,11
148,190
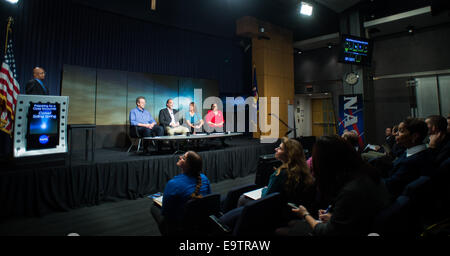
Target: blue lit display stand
40,127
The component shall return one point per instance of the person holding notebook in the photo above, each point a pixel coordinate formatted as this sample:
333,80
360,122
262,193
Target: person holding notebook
292,179
190,184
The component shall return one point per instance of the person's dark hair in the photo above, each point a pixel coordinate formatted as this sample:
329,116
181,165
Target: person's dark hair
335,163
415,125
439,122
395,128
167,101
193,104
195,165
352,138
139,98
296,168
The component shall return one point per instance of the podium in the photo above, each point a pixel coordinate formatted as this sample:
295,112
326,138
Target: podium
40,126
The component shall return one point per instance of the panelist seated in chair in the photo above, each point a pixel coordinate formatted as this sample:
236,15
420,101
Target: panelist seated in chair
144,122
214,118
193,119
169,119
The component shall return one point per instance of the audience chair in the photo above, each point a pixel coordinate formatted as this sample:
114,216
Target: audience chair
394,220
233,195
420,193
196,215
258,218
266,166
441,191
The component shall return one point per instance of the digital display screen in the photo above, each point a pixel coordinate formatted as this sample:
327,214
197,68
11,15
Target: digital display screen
355,50
43,125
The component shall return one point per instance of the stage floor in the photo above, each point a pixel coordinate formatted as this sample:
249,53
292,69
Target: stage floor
108,155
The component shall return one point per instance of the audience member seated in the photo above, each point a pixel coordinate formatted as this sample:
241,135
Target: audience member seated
448,123
415,162
353,138
372,152
170,121
389,140
190,184
193,119
352,187
439,138
214,118
144,122
292,179
397,150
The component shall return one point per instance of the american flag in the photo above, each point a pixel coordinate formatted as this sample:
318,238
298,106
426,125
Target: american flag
9,87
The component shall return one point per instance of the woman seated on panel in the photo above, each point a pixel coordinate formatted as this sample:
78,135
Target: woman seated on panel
214,118
193,119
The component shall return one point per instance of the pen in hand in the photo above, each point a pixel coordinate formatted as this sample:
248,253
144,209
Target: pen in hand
324,216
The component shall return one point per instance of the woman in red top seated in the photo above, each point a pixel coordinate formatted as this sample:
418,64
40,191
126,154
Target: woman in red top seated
214,118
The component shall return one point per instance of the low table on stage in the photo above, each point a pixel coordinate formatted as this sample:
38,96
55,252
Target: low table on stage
200,136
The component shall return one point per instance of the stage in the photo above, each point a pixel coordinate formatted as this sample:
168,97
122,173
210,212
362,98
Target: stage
40,188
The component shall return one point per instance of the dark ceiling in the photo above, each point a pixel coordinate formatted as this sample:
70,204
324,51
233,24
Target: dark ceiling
218,17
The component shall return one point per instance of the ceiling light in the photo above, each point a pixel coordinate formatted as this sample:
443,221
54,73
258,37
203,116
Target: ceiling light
12,1
306,8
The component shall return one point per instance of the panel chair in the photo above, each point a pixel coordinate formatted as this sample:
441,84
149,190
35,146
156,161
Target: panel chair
136,141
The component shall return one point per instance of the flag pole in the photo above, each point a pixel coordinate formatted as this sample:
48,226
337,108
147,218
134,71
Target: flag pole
8,29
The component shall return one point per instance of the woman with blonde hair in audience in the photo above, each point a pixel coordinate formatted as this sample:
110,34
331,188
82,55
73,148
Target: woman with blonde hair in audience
292,179
352,188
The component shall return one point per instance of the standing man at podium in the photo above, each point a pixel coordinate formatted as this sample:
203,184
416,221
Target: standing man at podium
36,85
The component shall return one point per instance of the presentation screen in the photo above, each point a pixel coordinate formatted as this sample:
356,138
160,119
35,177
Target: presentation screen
355,50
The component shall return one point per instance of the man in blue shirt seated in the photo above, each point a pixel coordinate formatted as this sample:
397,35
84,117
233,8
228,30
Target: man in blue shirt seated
143,122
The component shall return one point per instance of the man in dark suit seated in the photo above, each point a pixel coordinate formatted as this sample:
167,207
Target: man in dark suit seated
439,138
144,122
170,121
415,162
36,85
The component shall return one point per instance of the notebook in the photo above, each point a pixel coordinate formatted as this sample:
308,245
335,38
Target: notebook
254,194
157,198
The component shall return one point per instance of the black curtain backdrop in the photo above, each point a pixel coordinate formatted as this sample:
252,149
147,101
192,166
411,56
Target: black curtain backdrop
36,192
50,33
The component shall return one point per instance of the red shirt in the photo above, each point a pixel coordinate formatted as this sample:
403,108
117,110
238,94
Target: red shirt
215,119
